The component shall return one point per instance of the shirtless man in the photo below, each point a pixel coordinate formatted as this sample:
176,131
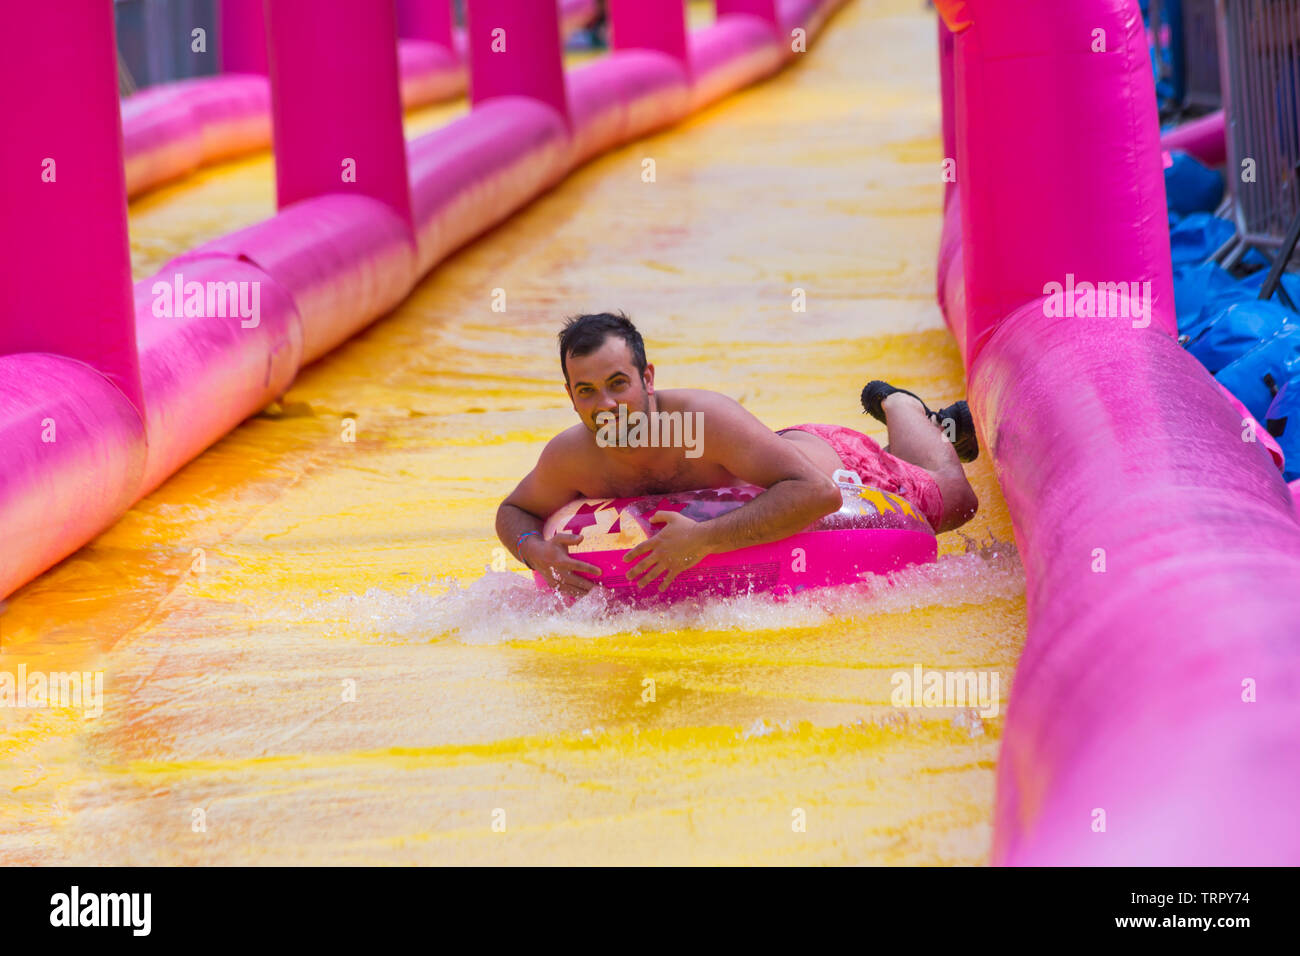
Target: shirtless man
603,359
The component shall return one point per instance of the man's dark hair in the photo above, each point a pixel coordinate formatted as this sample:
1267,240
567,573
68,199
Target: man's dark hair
584,334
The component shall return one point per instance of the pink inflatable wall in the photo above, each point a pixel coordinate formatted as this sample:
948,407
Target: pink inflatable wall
1202,138
1156,708
172,129
103,405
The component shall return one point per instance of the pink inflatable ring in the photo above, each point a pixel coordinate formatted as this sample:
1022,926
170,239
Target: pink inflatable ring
873,532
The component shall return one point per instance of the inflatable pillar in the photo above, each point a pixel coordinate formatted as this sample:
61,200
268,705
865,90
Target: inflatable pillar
947,92
241,26
1159,543
425,20
765,10
1011,170
515,50
336,105
658,25
65,283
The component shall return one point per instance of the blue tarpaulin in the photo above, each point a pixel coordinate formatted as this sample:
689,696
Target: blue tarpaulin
1283,422
1259,374
1191,186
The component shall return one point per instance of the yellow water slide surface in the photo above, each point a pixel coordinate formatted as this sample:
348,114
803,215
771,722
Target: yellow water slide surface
308,657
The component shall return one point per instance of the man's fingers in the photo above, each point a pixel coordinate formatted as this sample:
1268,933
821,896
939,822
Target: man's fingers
567,538
573,581
650,575
564,579
644,564
668,580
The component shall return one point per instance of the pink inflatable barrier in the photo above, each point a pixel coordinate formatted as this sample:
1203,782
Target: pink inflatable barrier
71,397
221,331
74,459
739,49
625,97
874,532
173,129
203,375
1155,709
1202,138
431,73
473,173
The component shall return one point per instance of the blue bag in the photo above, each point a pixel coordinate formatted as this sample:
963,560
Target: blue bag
1197,286
1192,186
1256,377
1239,328
1283,423
1197,237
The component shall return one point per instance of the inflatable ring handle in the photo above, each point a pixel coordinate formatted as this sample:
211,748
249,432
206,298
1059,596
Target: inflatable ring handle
843,474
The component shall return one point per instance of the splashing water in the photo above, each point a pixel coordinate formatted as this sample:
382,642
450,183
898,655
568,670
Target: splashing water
503,606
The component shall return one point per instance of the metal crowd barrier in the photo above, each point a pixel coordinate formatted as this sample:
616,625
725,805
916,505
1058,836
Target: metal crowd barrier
1260,49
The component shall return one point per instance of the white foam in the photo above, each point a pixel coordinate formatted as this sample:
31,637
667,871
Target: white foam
502,606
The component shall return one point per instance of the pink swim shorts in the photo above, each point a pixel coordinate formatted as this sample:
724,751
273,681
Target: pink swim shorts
879,469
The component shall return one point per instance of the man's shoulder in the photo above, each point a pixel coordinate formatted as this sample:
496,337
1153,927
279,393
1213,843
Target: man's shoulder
696,399
568,444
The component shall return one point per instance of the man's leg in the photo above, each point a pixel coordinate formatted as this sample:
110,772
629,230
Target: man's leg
916,439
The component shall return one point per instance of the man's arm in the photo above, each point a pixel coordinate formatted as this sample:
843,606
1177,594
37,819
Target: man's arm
797,495
544,490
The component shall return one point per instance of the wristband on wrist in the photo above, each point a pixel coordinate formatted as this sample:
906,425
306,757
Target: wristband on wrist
519,543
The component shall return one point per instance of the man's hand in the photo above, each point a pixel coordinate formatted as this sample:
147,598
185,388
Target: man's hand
550,558
678,545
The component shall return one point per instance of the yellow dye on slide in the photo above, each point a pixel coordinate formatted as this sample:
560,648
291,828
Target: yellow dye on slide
307,657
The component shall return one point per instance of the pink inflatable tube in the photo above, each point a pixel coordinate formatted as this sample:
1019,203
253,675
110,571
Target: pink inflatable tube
1202,138
204,375
430,72
623,97
474,172
737,50
874,532
744,47
171,130
1156,707
74,457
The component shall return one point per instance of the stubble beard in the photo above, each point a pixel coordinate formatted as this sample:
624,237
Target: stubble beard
647,407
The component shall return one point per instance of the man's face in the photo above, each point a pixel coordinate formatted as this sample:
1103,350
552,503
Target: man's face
606,379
